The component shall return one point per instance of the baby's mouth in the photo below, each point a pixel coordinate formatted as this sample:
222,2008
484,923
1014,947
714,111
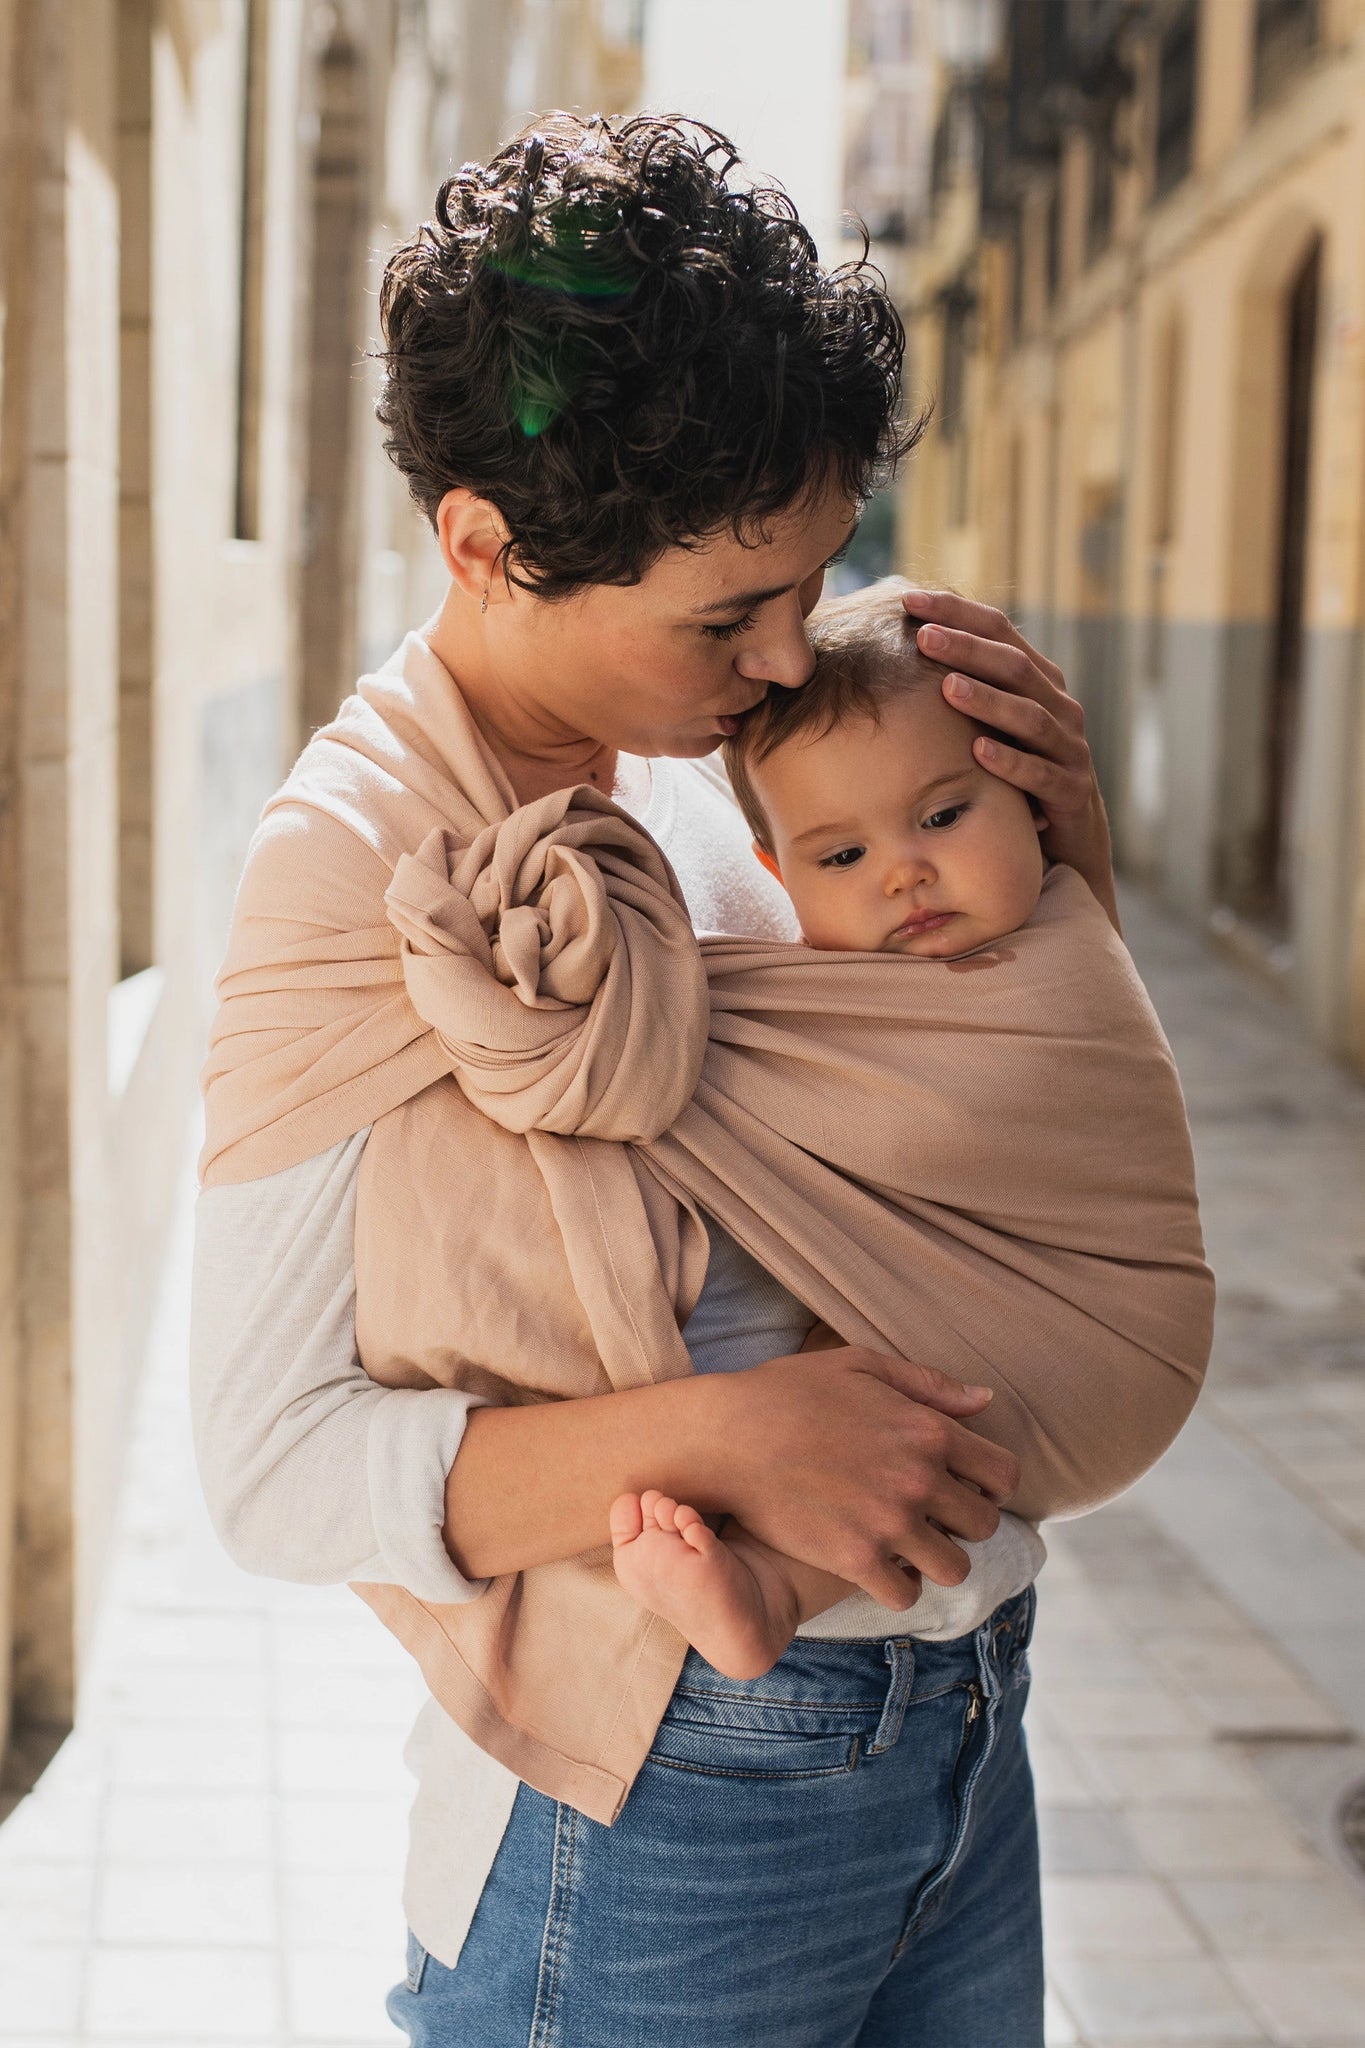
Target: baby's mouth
923,921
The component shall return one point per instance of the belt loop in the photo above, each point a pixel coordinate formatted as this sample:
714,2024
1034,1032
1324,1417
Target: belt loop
899,1652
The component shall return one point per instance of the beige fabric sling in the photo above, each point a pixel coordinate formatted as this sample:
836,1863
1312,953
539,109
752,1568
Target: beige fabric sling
983,1164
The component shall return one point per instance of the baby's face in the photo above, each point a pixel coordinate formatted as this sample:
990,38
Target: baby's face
891,839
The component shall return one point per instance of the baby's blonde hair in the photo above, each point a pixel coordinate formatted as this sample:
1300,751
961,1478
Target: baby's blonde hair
865,654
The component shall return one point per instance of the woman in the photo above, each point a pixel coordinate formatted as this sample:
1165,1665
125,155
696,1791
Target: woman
641,419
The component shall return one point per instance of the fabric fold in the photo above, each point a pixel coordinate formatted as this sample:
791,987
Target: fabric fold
982,1164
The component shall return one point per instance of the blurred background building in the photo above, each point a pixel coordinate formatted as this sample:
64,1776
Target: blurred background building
1136,287
1126,237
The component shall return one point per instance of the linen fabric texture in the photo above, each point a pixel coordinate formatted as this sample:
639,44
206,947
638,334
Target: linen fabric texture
982,1164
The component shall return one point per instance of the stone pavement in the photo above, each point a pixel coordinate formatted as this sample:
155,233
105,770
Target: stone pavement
215,1854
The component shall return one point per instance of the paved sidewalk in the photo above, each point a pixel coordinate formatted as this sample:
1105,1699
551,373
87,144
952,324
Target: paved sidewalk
1200,1671
215,1855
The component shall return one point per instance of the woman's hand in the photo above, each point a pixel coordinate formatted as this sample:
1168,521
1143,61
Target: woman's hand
997,678
899,1476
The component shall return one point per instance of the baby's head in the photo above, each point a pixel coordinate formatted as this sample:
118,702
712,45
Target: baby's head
867,803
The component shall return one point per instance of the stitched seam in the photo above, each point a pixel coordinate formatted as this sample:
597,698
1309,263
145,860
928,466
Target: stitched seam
897,1700
667,1763
548,1980
765,1699
626,1691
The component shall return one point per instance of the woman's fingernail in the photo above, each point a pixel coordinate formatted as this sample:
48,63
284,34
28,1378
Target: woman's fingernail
987,749
958,686
970,1389
931,638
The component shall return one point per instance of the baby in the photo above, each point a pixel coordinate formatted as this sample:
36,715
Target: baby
868,805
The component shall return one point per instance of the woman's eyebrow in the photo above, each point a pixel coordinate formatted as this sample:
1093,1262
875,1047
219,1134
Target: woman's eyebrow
744,601
747,599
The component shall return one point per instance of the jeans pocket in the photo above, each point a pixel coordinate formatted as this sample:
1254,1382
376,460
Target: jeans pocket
417,1963
752,1753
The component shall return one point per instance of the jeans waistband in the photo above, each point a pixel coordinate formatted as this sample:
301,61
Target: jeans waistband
866,1684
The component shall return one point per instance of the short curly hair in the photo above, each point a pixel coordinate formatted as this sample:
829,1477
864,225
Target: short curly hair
625,350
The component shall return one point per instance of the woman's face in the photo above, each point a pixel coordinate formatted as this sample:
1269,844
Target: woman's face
667,665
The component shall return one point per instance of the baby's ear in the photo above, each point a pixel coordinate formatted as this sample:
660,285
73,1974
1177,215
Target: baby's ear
762,854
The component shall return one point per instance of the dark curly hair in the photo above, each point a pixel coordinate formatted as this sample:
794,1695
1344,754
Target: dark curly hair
624,351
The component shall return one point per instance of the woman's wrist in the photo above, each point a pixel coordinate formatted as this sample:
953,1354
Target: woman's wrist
534,1484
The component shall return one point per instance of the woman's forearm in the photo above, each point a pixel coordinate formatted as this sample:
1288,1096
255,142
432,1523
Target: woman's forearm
533,1484
902,1474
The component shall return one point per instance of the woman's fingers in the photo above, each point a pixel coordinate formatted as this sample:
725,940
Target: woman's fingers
894,1585
936,1556
941,1435
1062,792
1051,724
968,619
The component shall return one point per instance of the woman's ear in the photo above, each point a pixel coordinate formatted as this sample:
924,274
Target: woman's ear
472,540
762,854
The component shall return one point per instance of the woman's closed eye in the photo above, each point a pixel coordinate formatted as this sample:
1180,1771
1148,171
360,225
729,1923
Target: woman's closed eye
732,629
846,857
939,821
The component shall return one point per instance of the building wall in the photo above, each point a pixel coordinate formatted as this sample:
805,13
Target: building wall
201,545
1128,436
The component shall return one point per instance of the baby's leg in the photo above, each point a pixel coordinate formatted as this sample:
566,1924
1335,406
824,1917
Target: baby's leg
733,1598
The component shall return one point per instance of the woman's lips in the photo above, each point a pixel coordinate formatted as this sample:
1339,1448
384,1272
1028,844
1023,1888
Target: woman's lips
729,723
924,921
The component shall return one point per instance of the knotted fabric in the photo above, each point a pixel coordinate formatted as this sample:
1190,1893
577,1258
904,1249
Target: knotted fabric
980,1164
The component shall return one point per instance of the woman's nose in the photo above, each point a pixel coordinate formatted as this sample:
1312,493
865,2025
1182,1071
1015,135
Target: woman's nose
778,651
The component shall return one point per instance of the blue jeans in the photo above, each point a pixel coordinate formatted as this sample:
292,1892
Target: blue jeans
842,1854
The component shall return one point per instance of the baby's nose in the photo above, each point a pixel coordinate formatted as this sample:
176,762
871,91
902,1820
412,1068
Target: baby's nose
907,872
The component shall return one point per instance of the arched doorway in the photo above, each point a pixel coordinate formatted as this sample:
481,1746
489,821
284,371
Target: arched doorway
1264,669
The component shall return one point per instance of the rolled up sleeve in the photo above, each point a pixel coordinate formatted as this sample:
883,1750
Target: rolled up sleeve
310,1470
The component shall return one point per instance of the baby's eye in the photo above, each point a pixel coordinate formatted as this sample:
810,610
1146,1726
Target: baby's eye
939,821
846,857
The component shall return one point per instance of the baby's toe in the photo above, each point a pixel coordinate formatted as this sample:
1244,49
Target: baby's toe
626,1518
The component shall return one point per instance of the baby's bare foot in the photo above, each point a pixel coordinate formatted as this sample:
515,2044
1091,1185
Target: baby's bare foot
729,1601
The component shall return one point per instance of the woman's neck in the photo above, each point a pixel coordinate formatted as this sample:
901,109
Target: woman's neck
537,752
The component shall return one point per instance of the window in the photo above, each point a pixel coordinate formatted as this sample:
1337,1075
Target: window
1286,31
1017,299
1099,220
1176,77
